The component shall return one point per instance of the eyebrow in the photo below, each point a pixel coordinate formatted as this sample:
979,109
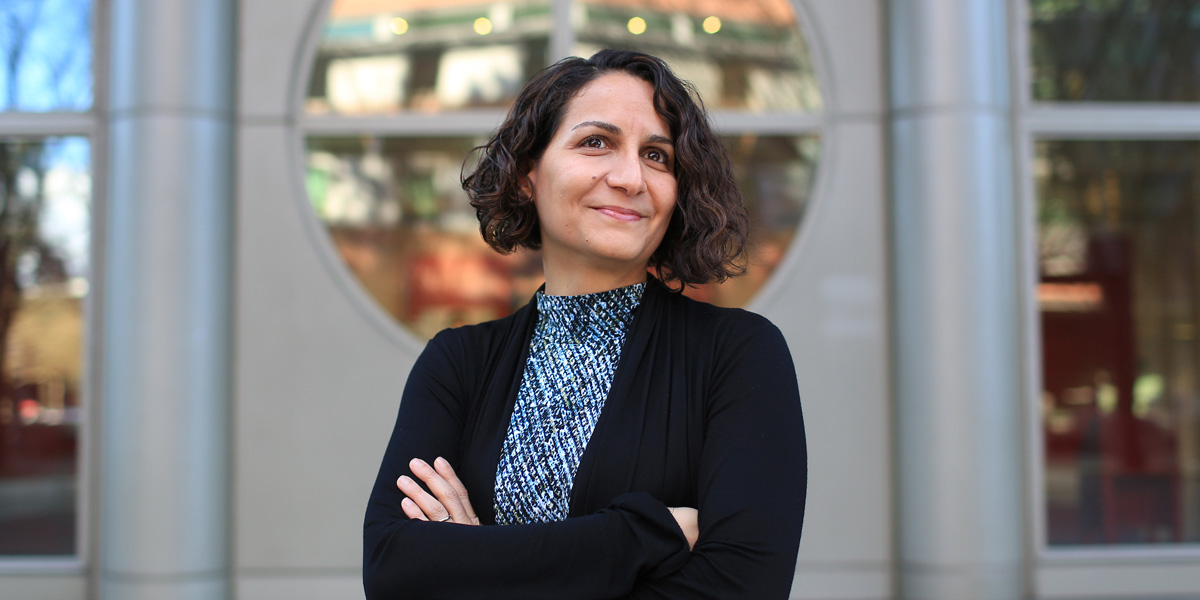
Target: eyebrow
613,129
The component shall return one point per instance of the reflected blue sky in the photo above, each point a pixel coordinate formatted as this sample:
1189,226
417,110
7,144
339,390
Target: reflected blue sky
46,65
66,211
45,55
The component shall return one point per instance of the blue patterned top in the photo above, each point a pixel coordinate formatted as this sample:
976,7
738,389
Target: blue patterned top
572,358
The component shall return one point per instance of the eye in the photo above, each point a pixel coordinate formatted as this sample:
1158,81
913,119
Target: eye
657,156
595,142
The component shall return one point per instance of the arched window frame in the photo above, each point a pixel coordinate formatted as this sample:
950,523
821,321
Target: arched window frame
480,122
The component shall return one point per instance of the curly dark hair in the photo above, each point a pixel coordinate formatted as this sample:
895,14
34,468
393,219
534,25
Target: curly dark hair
706,238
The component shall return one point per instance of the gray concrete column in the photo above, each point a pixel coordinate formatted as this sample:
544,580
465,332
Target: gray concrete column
955,291
165,406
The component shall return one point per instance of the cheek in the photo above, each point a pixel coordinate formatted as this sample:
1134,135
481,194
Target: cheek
667,203
666,213
550,213
663,222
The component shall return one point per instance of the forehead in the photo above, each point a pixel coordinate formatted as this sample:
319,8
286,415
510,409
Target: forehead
615,97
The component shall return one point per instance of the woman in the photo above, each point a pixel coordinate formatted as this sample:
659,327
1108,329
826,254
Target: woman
613,438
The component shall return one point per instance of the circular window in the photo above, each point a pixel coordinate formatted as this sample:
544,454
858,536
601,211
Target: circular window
401,91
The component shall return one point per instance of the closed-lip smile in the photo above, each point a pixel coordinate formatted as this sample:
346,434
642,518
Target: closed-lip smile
619,213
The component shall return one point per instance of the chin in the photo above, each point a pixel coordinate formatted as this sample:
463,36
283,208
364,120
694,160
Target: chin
621,254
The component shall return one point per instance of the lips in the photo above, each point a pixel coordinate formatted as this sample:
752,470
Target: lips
619,213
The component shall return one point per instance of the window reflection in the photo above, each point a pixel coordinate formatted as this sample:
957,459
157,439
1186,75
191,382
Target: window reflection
401,222
746,56
45,191
775,174
1119,249
1097,50
385,56
47,52
426,55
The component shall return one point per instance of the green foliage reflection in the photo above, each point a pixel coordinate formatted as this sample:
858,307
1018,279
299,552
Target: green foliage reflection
1115,50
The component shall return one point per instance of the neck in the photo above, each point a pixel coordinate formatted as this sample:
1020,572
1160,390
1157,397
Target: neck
576,280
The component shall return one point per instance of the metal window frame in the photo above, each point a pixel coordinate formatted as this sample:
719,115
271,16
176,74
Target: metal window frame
1035,121
86,124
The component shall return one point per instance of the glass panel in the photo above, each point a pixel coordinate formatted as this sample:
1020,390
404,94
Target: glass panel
400,220
1116,50
775,174
386,56
402,223
1119,259
746,56
47,50
45,191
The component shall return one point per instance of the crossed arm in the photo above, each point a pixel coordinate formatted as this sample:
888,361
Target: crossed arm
449,501
597,556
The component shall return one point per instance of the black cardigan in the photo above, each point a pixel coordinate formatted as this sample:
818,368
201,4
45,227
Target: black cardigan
703,411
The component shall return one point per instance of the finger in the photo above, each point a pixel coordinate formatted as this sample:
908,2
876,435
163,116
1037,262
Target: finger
442,466
441,489
412,510
688,520
430,506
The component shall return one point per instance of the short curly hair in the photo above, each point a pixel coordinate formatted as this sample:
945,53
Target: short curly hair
705,240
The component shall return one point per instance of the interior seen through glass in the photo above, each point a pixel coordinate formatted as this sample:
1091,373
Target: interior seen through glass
1119,294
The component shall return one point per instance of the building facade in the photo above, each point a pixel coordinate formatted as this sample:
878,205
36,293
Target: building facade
229,228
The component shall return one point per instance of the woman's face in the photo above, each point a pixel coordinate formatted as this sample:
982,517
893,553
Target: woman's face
605,186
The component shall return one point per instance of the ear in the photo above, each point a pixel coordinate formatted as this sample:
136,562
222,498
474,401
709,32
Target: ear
525,182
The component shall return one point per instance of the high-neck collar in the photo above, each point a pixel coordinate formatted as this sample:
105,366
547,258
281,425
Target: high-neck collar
587,315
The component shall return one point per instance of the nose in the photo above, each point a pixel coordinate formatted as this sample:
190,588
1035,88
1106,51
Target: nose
626,173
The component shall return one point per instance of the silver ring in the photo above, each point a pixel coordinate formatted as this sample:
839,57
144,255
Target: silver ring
443,520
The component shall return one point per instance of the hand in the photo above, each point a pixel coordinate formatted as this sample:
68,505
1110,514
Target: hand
689,521
448,502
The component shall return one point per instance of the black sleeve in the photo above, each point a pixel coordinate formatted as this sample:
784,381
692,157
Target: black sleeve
600,555
753,476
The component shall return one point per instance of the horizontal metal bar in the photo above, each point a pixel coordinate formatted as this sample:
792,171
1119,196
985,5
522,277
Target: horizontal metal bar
479,122
1122,121
1120,554
768,123
50,565
413,124
46,124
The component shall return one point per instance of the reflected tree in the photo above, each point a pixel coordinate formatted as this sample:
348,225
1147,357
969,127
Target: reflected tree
1116,50
45,56
23,254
